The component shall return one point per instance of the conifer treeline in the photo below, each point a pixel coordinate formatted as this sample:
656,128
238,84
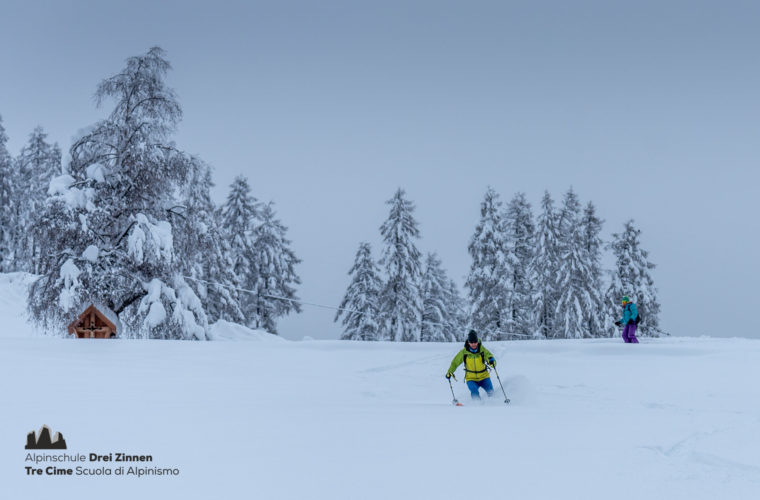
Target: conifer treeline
529,278
128,223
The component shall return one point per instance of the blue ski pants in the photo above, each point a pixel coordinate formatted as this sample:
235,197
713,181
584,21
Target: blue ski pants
474,387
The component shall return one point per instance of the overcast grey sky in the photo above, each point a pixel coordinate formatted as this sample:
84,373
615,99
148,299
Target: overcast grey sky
648,109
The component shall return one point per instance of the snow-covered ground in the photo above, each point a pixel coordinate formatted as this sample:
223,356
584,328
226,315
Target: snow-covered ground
676,418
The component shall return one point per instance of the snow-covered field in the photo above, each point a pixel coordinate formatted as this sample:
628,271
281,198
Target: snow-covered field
676,418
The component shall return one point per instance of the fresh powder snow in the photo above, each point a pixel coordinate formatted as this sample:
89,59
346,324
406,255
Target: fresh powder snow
674,418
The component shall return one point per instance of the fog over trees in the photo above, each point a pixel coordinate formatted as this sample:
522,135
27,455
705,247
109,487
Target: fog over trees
125,220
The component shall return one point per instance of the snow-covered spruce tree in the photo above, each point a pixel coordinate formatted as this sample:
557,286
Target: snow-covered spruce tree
400,300
105,231
37,164
578,297
458,315
6,178
544,269
240,216
519,228
360,305
488,278
632,277
439,304
433,328
275,271
591,228
205,251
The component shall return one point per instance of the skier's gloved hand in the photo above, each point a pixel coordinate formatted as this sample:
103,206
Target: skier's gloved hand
491,361
617,323
448,375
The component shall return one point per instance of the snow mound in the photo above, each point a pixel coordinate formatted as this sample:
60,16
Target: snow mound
91,253
224,330
60,185
96,172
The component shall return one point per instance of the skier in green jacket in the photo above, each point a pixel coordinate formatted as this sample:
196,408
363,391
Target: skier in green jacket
476,358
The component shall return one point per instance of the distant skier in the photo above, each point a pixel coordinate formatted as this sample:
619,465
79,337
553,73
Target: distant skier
630,314
475,358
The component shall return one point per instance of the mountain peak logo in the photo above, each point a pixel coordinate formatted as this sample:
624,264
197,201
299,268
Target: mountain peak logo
43,441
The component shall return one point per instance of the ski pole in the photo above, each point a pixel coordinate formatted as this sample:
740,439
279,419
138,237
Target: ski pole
506,399
457,403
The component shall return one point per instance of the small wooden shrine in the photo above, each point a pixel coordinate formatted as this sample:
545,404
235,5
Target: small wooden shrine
94,323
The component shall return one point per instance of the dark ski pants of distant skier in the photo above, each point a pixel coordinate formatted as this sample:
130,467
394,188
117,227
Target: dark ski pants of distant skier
474,387
629,334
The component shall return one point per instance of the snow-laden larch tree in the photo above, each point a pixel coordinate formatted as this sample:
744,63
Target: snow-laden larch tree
106,227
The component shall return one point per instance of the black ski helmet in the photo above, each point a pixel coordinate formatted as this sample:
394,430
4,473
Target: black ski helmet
472,336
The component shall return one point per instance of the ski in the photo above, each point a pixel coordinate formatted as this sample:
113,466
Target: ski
457,403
